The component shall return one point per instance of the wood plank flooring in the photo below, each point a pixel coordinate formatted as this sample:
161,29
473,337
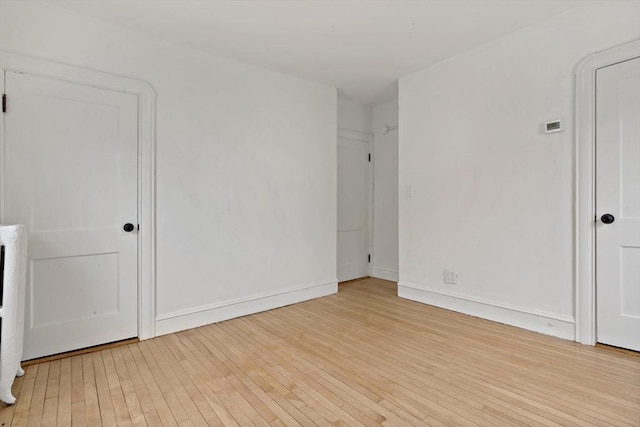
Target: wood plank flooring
361,357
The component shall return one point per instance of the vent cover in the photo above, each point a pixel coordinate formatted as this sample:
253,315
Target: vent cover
554,126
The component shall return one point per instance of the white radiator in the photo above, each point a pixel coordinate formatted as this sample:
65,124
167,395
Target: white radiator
13,242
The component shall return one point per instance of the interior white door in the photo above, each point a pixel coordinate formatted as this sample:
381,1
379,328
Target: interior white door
618,204
353,207
70,175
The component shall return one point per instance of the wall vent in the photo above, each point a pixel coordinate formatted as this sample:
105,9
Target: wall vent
554,126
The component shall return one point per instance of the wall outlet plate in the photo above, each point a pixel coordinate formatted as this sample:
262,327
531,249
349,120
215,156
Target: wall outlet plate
450,277
409,191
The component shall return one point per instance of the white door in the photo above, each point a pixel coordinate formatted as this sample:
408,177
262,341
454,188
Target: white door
618,204
70,175
353,206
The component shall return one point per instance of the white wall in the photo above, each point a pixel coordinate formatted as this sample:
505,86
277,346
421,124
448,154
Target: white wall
492,195
354,116
385,230
246,166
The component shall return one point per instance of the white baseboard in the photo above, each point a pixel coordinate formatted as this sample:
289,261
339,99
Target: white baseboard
212,313
384,273
557,325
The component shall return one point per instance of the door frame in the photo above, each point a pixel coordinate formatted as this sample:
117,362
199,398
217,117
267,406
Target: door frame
584,192
14,62
368,138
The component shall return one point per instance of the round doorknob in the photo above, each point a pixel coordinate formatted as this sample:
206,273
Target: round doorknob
607,218
128,227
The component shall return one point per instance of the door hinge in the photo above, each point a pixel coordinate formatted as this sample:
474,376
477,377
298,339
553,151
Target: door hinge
369,258
4,102
1,272
369,156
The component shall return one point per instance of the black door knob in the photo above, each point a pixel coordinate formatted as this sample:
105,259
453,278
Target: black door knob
607,218
128,227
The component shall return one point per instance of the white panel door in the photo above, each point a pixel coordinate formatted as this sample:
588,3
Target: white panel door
353,208
618,204
70,175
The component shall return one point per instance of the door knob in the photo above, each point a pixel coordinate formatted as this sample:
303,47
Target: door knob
607,218
128,227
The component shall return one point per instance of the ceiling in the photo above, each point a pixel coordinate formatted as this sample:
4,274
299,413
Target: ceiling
360,46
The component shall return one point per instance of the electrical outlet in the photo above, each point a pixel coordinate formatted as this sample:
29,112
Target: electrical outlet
450,277
409,191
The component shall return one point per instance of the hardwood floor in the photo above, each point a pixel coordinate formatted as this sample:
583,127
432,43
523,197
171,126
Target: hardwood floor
361,357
